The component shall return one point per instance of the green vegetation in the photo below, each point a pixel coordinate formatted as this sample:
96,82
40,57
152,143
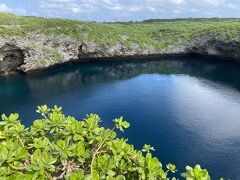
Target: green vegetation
159,33
52,52
62,147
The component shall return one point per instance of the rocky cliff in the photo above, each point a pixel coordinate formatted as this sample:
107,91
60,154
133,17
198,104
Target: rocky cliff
38,51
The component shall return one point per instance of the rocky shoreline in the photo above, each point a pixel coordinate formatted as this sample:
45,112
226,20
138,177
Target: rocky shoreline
37,51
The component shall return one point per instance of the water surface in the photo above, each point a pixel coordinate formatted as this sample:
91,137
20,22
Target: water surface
187,108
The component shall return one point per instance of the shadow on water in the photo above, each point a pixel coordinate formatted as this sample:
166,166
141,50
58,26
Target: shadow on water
187,107
74,76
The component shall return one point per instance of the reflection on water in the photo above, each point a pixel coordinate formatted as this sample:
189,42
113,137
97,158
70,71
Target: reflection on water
187,108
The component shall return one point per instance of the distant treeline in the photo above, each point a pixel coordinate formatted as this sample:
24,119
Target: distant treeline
190,19
215,19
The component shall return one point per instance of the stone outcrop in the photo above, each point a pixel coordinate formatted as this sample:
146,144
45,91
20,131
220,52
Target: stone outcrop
11,58
226,49
38,51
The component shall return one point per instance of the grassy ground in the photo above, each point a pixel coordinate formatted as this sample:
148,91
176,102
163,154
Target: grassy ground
160,34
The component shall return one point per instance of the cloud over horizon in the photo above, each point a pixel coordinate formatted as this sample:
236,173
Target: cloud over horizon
124,10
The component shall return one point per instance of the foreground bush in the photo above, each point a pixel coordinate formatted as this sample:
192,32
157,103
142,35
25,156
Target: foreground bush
60,147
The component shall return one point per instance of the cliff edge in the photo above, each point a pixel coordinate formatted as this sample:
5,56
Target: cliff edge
29,43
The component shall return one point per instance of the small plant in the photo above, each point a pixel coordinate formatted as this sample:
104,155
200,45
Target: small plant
196,173
61,147
54,55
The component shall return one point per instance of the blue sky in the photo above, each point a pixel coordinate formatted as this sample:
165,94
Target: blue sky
122,10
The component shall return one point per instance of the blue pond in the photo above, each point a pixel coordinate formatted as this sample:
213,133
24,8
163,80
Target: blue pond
188,108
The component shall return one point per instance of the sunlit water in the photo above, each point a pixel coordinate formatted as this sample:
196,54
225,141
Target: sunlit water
187,108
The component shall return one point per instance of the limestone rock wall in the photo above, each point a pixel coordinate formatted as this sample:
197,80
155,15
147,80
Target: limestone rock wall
38,51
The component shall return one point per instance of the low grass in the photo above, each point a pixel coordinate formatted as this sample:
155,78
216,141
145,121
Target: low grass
52,52
157,33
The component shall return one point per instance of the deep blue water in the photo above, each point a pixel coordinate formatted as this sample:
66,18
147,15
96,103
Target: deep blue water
187,108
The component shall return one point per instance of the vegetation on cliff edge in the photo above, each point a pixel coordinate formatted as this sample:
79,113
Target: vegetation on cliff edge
156,33
60,147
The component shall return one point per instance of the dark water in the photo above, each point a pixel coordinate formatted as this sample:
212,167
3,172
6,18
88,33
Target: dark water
187,108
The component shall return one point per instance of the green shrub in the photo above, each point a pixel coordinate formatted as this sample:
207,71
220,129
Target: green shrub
159,34
60,147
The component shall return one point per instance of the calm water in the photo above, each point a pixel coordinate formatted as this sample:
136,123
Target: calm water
187,108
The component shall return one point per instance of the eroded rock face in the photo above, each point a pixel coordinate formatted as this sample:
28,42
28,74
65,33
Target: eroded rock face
226,49
93,50
11,58
37,51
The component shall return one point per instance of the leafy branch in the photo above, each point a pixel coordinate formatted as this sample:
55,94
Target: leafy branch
61,147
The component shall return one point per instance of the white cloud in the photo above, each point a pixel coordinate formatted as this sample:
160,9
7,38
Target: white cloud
112,4
214,2
75,9
134,8
128,9
62,1
59,7
178,1
177,11
4,8
233,6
